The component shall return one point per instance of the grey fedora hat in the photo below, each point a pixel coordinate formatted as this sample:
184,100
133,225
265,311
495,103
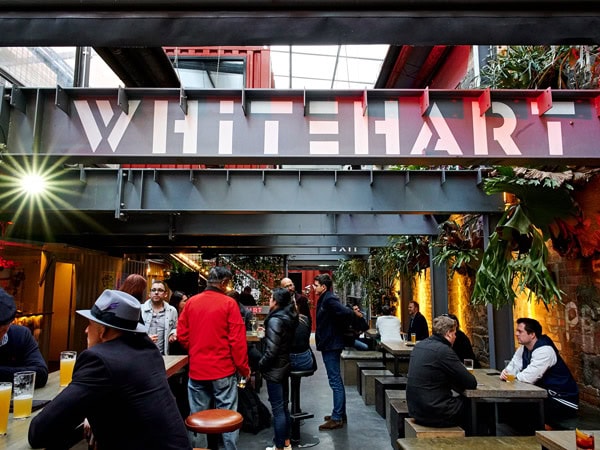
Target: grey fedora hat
116,309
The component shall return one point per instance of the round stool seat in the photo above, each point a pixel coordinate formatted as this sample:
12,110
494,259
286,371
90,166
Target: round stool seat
214,421
302,373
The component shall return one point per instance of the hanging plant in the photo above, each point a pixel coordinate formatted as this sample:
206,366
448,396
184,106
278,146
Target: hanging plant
460,245
514,260
411,253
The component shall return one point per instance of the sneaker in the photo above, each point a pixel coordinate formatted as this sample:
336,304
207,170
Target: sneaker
344,418
287,447
332,425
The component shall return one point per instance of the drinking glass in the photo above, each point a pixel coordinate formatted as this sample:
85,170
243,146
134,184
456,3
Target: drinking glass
153,333
5,391
511,374
23,386
253,325
413,338
583,440
67,363
469,364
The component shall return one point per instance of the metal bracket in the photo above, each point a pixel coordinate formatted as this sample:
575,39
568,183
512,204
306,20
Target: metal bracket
183,101
424,101
406,178
18,100
544,101
122,100
365,103
82,175
443,176
372,179
155,176
485,101
245,106
61,100
299,178
227,178
304,104
192,176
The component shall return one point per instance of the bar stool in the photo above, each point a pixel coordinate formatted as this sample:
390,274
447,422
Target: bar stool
214,421
296,413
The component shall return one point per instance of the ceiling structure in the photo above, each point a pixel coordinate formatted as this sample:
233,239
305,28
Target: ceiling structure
423,35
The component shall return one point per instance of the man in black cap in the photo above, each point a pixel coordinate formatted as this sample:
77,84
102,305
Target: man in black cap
119,384
18,349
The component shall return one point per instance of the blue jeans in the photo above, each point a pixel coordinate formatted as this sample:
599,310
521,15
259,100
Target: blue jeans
302,361
282,423
224,393
331,360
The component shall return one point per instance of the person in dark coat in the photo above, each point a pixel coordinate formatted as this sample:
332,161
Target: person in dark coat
418,323
18,349
333,320
280,326
462,345
119,384
434,372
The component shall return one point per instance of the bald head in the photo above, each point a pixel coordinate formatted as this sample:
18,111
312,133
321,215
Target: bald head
288,284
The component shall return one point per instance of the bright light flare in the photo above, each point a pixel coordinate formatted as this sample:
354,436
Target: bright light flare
33,184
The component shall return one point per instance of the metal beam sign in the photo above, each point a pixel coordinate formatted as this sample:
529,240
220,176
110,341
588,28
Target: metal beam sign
295,127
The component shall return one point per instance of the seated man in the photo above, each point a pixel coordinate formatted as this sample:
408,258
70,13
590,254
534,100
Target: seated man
537,361
434,372
119,384
388,326
18,349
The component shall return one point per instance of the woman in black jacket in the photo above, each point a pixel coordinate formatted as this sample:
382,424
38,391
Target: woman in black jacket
280,326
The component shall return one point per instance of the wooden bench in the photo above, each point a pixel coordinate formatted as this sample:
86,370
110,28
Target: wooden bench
381,385
360,365
349,359
367,377
470,443
414,430
398,413
393,394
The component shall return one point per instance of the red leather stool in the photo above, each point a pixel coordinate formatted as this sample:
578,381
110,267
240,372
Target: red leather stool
214,421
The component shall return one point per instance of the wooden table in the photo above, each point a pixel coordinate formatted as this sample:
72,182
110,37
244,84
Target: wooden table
398,349
16,437
491,389
563,440
475,443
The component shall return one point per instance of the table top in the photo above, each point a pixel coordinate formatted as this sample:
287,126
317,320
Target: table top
489,385
16,437
252,337
397,347
563,440
473,442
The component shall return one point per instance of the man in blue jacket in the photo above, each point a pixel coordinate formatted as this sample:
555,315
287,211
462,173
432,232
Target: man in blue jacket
18,349
333,319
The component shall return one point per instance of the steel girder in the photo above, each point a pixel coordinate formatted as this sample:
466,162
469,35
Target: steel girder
186,23
247,211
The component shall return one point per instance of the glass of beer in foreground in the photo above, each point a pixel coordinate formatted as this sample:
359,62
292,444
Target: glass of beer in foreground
24,384
67,363
511,374
5,391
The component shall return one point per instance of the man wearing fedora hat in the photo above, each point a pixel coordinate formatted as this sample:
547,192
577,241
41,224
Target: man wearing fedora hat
119,384
18,349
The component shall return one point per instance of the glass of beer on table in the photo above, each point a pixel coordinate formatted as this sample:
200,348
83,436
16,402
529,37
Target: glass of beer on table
5,392
67,363
469,365
511,374
23,386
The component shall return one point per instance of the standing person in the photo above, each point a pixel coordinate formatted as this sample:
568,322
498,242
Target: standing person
135,285
433,372
157,314
212,330
288,284
274,364
418,323
178,300
333,319
538,362
388,326
119,384
246,297
462,345
301,355
18,349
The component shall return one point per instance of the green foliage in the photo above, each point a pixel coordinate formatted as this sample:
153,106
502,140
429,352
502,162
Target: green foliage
460,245
267,270
543,66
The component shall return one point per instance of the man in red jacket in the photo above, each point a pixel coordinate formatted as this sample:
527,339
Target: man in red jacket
211,328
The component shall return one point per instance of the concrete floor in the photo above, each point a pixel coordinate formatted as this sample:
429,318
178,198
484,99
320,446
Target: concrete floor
365,428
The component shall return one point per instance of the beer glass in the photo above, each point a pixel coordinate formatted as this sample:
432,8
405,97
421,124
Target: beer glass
5,391
23,386
67,363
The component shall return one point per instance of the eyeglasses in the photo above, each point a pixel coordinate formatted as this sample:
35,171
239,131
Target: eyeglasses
157,290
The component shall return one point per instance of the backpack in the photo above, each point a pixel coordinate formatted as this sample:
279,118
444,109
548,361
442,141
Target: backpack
255,413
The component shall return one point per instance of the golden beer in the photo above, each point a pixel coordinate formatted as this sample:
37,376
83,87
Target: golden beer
510,377
66,371
22,406
413,338
5,391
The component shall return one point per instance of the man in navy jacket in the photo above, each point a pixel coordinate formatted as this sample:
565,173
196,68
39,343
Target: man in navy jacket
333,319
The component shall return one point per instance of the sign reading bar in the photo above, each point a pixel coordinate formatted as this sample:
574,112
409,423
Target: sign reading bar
391,126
